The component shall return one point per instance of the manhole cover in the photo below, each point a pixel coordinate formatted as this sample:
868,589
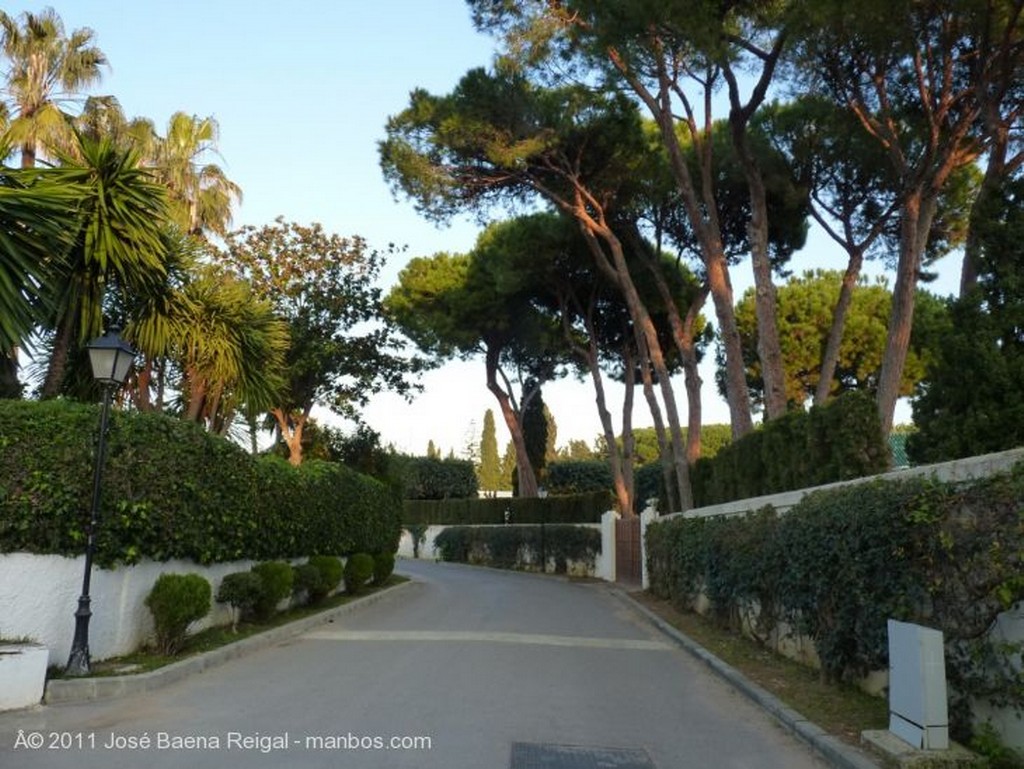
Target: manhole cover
532,755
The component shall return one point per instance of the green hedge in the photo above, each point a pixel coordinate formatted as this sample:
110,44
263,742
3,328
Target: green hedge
836,442
578,476
579,508
430,478
519,547
843,561
171,490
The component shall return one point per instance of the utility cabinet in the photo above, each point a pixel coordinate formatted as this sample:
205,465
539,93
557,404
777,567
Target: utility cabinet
918,711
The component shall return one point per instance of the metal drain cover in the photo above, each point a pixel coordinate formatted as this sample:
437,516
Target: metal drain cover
533,755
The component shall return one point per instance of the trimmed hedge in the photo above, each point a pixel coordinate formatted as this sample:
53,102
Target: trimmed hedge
579,508
578,476
836,442
520,547
430,478
171,490
841,562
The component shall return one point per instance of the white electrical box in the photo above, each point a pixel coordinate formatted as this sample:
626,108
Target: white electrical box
918,712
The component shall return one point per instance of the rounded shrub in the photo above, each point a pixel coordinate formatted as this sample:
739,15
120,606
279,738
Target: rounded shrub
241,590
331,572
383,566
358,570
305,580
176,601
275,585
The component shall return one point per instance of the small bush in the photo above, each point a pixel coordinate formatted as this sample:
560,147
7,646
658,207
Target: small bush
358,569
275,586
240,590
331,571
383,565
305,580
176,601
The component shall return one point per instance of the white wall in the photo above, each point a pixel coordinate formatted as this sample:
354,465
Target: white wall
39,596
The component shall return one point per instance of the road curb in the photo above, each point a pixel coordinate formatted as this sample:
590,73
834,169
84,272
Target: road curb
68,690
833,750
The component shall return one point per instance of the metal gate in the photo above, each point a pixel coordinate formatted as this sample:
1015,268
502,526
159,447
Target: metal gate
627,550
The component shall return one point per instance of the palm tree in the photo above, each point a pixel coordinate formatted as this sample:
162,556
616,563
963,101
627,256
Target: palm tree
45,68
230,346
35,216
116,240
201,193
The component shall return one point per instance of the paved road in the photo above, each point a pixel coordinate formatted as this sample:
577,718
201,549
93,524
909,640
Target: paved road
499,670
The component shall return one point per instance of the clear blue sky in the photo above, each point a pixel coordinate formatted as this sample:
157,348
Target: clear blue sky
301,91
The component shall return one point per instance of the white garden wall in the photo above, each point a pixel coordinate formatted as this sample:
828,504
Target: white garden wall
39,596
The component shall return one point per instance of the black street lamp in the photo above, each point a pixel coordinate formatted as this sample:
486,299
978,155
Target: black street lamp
111,358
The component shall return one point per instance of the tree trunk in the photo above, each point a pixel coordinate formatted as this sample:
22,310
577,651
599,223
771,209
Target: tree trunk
10,386
647,343
830,359
702,214
623,493
918,212
527,478
628,439
664,452
291,433
58,361
196,396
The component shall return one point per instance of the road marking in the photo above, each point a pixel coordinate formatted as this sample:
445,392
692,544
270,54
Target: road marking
506,638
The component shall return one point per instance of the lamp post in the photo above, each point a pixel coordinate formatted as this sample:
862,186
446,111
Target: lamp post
111,359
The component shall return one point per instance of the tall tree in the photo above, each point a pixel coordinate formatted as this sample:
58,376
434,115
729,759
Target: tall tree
675,58
497,138
324,287
967,403
460,306
806,305
490,463
116,240
904,69
45,68
230,347
201,193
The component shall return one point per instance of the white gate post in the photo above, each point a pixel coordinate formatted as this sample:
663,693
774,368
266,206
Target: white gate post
646,517
606,563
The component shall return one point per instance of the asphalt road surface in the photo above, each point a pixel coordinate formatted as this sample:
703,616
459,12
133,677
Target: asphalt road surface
466,669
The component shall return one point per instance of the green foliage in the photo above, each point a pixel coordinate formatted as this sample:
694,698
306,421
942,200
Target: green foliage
520,547
323,285
835,442
578,508
963,407
330,570
275,585
383,566
171,490
843,561
489,471
176,601
578,476
305,581
241,590
435,478
358,570
804,318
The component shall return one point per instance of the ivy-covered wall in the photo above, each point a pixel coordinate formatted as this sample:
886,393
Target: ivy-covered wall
842,561
171,490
